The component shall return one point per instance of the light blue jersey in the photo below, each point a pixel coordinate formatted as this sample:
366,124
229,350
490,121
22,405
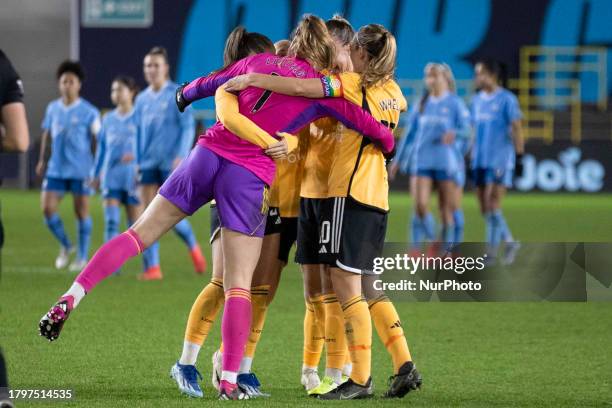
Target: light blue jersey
409,123
492,116
72,130
117,138
439,116
165,134
463,145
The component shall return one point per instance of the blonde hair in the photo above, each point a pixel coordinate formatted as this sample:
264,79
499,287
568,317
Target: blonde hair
312,41
282,47
340,28
380,45
446,71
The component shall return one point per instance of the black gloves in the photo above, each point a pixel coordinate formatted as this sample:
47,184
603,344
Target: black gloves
181,102
518,165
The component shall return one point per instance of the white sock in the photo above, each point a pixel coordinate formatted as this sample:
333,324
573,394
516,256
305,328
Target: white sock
245,365
190,353
346,370
335,374
77,292
229,376
305,367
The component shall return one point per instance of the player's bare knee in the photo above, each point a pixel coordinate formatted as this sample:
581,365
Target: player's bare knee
421,209
235,280
48,211
346,284
367,287
311,290
312,280
326,283
82,213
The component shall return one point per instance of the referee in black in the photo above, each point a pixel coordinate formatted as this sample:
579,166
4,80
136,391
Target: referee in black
14,137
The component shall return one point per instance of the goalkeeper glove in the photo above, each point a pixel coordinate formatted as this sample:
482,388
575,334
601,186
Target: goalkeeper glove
181,102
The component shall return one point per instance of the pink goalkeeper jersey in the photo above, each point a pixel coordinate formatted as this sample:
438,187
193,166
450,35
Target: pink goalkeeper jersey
275,112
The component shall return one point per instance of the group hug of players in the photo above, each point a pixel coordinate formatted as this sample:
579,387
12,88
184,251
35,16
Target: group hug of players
326,189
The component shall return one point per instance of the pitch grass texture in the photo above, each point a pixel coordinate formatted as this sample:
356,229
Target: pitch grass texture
118,347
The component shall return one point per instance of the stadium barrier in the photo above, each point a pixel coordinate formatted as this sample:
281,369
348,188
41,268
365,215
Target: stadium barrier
558,167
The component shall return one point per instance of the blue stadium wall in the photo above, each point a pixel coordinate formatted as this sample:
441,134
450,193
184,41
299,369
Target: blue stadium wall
454,31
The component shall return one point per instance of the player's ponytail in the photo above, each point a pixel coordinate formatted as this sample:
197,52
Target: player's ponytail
311,41
380,45
240,44
423,100
340,28
449,76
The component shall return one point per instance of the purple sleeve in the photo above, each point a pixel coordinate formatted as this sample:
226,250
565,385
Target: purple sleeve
351,116
206,86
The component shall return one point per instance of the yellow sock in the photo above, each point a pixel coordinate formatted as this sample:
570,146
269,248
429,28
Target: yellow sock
204,311
319,313
359,336
335,339
347,359
314,331
389,329
259,302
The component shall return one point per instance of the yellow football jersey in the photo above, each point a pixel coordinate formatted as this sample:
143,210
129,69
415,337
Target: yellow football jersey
319,149
288,179
358,167
273,194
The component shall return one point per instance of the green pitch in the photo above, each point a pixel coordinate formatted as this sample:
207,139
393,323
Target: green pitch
118,347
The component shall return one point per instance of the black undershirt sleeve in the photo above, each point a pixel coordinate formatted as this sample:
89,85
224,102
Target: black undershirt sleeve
11,88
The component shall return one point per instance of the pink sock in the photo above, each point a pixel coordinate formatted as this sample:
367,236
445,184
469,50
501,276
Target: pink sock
109,258
235,328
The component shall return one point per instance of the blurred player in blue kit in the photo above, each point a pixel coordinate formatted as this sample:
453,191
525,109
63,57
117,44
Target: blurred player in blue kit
69,128
165,138
429,153
497,153
115,166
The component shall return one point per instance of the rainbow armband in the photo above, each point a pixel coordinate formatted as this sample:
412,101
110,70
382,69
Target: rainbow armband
332,86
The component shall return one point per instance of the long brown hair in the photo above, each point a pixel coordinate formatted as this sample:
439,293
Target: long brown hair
380,45
312,41
240,44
